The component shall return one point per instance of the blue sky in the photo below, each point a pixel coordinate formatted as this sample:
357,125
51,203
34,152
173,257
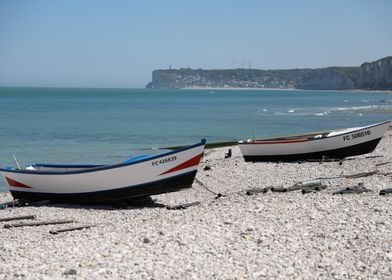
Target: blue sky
86,43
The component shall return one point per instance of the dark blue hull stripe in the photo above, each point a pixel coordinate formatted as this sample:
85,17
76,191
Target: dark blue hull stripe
171,184
340,153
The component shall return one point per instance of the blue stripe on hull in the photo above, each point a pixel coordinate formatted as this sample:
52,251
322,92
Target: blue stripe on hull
341,153
171,184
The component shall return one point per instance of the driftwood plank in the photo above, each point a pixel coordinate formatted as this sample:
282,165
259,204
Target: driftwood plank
29,217
57,231
293,188
309,184
374,156
38,223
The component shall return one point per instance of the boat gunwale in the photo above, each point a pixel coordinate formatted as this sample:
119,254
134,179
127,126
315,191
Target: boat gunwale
102,167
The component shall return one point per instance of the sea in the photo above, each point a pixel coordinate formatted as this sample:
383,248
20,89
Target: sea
103,126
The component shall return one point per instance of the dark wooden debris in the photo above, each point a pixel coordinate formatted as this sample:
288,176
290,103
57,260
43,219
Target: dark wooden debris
29,217
70,271
315,189
219,195
305,187
207,146
279,189
57,231
386,191
254,191
228,154
36,203
355,189
43,223
183,206
294,188
305,191
22,202
13,203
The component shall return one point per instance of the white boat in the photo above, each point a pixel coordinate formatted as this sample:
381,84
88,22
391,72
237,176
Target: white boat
336,144
136,177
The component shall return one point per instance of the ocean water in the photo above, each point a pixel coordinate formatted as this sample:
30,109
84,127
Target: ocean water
40,125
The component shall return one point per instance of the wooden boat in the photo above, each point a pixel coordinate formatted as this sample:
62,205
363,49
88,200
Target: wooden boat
136,177
336,144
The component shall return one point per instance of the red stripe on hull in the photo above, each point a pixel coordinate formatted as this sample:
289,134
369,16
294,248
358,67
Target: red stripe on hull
17,184
189,163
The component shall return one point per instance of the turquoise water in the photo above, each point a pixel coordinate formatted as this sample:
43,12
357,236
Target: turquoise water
110,125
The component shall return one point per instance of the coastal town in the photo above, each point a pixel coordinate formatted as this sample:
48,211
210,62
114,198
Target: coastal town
238,78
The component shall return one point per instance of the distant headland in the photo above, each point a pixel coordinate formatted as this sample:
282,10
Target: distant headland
376,75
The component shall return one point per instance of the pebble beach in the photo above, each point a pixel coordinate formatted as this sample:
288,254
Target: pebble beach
228,235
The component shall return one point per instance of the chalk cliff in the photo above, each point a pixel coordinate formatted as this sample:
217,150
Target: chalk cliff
376,75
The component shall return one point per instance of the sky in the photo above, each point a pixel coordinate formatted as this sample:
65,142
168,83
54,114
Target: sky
118,43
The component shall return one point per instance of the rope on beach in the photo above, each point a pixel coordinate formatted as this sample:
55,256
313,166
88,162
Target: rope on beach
205,187
363,174
351,176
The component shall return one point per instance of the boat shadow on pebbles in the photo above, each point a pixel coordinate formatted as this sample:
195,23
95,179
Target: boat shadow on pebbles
140,202
134,203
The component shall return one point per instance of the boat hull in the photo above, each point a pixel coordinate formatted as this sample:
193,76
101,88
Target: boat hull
335,144
143,176
340,153
172,184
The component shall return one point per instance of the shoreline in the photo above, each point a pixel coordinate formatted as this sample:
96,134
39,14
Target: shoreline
284,89
233,88
189,88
